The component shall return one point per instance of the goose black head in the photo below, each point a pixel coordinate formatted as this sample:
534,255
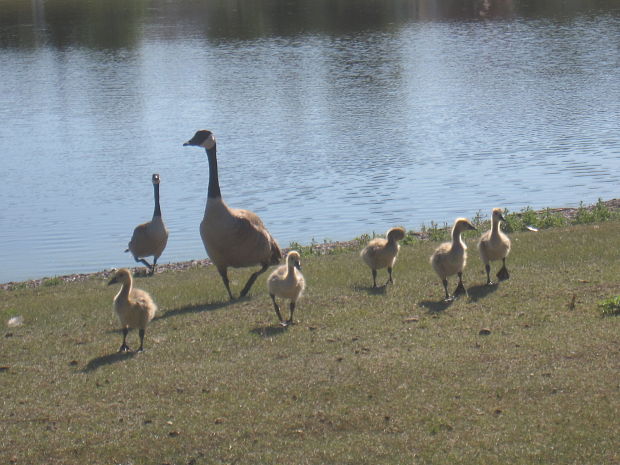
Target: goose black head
202,138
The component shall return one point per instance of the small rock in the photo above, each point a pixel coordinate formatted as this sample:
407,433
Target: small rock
15,321
484,332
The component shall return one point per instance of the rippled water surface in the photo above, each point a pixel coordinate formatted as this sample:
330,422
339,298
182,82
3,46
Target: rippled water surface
330,124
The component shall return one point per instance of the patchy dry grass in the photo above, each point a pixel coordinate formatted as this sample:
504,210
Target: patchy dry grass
364,377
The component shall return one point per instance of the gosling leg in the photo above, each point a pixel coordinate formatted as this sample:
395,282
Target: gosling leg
141,348
445,288
124,346
292,307
277,309
460,288
390,280
503,274
250,282
487,268
374,278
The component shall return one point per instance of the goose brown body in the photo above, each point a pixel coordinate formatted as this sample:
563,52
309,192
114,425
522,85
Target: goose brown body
134,307
232,237
381,253
150,239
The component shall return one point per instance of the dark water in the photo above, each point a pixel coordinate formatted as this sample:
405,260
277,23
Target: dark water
333,118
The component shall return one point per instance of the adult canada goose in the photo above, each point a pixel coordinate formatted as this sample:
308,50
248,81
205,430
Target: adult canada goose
150,239
232,237
135,308
381,253
495,245
450,257
287,282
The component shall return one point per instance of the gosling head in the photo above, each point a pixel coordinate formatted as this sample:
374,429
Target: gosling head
463,224
121,276
396,234
293,259
497,215
155,178
202,138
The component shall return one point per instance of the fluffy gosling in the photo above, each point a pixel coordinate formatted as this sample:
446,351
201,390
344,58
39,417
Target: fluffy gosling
495,245
382,253
287,282
451,257
135,308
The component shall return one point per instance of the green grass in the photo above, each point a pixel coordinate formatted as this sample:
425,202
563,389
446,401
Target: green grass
365,377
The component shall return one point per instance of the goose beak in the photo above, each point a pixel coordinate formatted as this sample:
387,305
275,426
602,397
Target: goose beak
186,144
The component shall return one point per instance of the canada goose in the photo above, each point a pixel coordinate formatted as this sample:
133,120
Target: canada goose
450,257
232,237
134,307
150,238
495,245
381,253
287,282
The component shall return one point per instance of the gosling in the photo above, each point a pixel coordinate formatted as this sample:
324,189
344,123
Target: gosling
287,282
382,253
451,257
135,308
495,245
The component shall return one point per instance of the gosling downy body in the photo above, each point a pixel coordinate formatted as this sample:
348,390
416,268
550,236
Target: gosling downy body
232,237
287,282
450,258
382,253
135,308
495,245
150,239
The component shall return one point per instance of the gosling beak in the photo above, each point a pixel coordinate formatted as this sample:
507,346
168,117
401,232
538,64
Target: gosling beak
298,265
112,281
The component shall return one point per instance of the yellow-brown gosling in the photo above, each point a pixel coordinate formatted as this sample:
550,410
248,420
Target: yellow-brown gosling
287,282
450,258
135,308
382,253
232,237
150,239
495,245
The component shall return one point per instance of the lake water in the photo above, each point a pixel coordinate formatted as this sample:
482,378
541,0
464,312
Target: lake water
333,119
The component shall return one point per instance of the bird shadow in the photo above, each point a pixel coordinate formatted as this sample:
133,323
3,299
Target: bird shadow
480,291
199,308
109,359
269,331
435,306
379,290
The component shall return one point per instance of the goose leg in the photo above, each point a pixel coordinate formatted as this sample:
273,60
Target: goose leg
250,282
460,288
124,346
143,261
390,280
141,348
292,307
153,267
374,278
277,309
502,274
224,275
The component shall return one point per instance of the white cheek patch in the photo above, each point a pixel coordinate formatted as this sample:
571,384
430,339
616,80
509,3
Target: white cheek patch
209,142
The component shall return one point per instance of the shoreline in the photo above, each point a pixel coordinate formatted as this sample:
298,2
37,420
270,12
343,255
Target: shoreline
321,248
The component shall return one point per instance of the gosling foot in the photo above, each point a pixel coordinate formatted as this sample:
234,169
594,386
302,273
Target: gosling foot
460,289
124,348
502,274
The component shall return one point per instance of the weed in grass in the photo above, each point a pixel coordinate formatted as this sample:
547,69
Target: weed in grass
610,306
55,281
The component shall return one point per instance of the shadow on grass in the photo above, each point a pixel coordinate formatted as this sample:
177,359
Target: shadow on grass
435,306
195,309
269,331
107,360
379,290
480,291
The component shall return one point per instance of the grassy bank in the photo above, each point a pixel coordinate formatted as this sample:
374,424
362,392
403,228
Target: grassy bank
524,372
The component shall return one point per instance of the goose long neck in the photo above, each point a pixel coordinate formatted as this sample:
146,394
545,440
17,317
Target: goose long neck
157,211
214,182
